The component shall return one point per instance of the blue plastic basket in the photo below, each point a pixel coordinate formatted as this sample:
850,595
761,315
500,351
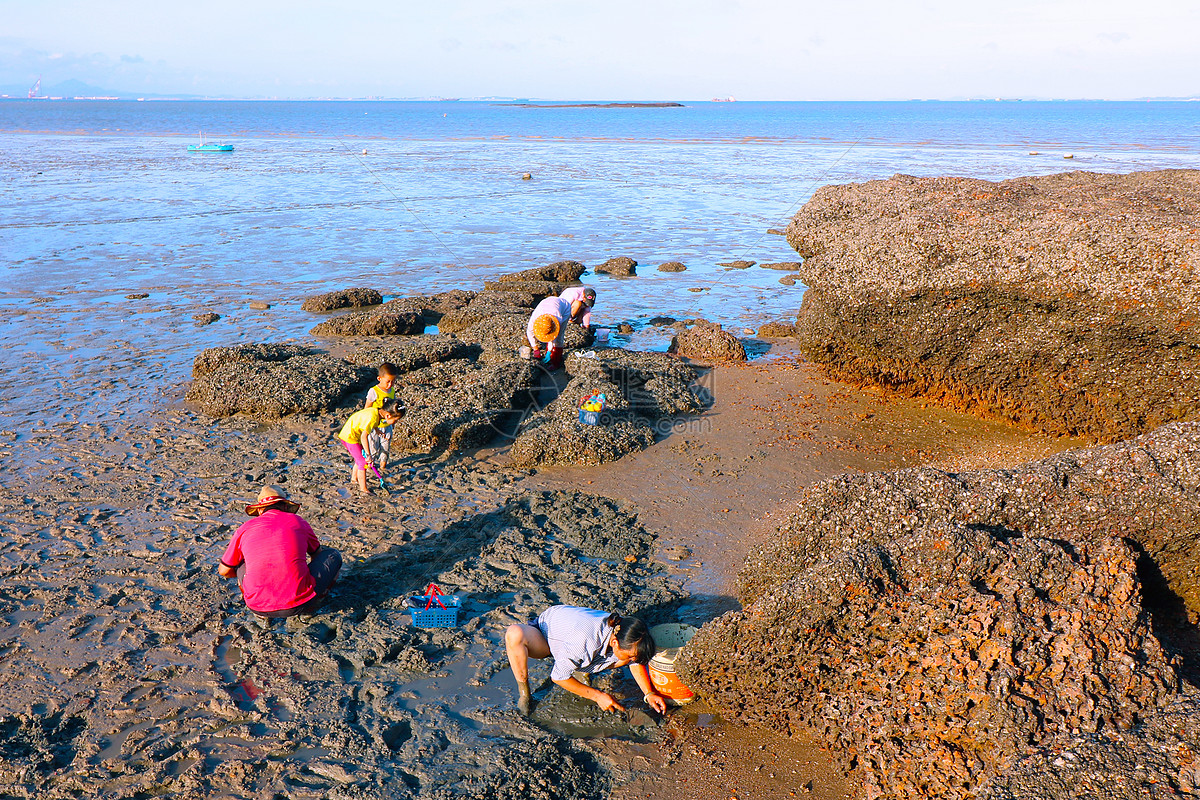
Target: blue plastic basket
435,616
589,417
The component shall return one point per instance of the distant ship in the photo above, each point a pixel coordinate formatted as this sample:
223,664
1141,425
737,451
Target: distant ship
730,99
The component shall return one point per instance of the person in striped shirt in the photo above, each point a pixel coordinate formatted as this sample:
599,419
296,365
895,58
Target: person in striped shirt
582,640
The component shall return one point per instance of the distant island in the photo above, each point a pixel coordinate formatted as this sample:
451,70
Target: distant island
594,105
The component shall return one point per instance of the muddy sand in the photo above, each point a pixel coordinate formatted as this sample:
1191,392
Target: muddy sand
129,669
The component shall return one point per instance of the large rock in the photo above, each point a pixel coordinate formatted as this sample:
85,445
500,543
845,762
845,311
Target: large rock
372,323
941,631
487,306
652,385
559,271
623,266
431,306
539,288
269,381
707,341
642,391
343,298
1067,303
413,353
458,404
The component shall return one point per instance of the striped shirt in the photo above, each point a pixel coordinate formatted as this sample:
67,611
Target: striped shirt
578,639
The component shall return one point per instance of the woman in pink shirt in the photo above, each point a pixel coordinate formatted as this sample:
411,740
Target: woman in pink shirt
280,566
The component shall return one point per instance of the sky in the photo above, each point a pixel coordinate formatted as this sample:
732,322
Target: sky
616,50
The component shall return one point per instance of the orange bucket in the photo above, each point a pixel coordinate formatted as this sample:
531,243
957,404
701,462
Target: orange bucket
669,640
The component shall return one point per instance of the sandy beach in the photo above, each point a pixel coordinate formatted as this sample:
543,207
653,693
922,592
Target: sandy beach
128,665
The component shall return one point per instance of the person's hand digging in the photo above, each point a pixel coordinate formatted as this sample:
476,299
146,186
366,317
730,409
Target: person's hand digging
607,703
657,702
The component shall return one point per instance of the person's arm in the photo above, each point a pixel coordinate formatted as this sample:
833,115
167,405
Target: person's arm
578,310
649,693
232,557
370,398
365,441
385,446
602,699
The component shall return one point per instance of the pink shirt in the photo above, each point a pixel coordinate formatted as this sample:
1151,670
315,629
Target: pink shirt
575,295
555,307
275,547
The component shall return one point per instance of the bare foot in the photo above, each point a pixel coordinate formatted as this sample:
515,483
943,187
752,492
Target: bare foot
525,704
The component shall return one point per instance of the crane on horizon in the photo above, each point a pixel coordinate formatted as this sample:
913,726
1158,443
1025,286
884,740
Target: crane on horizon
36,88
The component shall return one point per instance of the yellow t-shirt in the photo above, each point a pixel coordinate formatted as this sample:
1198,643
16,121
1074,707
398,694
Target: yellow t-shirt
377,395
359,425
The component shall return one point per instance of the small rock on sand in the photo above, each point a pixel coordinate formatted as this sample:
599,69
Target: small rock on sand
788,265
137,296
258,305
625,328
677,553
671,266
788,280
777,330
739,264
206,318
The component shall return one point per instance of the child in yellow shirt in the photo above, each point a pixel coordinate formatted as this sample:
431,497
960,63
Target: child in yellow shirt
379,441
357,428
386,389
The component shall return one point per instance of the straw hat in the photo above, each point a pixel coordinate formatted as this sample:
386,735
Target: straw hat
546,328
272,497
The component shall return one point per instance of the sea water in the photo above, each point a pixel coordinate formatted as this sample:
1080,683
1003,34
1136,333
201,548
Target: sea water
101,199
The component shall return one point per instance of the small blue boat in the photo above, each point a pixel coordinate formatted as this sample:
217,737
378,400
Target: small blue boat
209,147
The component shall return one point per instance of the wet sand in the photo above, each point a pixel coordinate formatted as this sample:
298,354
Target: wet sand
713,490
127,666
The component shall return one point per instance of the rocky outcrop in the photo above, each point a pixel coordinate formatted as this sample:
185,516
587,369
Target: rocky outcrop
944,632
1066,303
458,404
708,341
538,288
343,298
559,272
432,306
643,390
488,306
413,353
622,266
271,381
372,323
